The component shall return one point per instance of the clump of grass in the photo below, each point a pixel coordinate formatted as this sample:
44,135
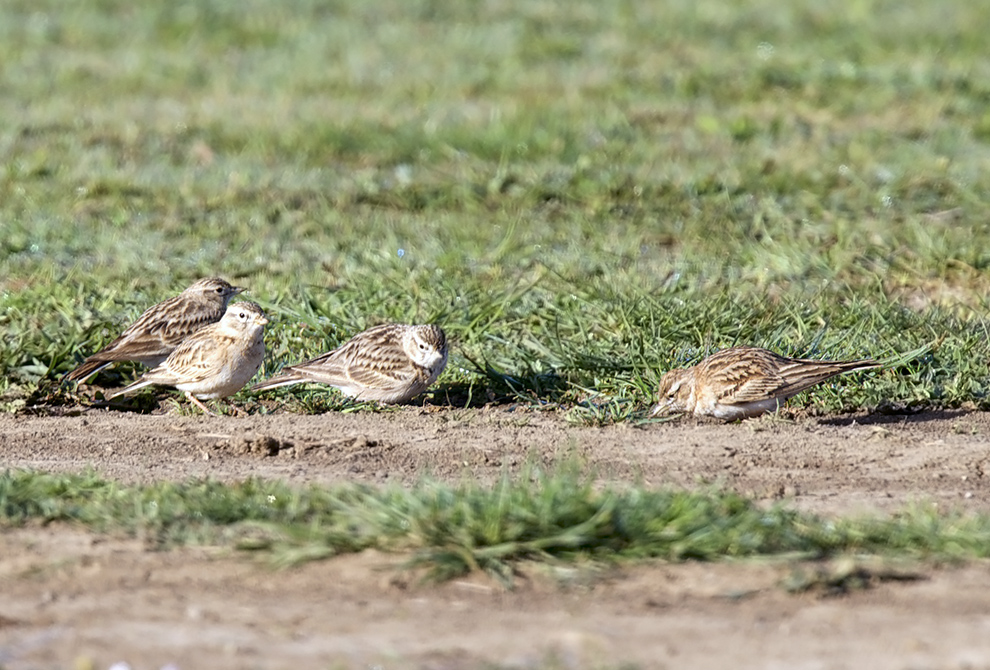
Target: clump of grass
451,529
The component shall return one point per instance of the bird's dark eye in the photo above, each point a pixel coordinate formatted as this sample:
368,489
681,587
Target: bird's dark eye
220,290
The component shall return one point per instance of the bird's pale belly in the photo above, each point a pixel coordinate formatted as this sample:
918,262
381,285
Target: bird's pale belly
745,410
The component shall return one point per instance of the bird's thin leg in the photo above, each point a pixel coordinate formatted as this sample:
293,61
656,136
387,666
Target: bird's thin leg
194,400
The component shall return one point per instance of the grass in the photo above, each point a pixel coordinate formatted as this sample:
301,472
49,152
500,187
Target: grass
452,529
583,195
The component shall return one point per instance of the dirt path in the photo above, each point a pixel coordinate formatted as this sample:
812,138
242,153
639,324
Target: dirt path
68,596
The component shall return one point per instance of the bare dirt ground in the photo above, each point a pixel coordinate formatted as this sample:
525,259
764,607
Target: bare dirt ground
69,599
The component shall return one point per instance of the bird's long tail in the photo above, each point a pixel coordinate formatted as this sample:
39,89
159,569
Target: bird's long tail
278,381
85,371
802,374
139,384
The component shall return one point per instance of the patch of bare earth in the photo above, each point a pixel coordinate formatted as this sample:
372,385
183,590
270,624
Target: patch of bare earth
67,596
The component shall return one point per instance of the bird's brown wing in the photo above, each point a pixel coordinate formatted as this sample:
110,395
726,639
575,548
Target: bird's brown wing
800,374
373,360
158,331
196,359
386,371
745,374
155,334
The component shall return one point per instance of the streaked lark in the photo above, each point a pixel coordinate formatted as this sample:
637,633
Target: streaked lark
390,363
216,361
744,382
162,328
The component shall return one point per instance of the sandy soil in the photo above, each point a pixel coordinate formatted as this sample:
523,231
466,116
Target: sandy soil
71,599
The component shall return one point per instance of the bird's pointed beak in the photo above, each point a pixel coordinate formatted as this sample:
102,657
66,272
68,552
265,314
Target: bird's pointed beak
238,289
658,410
263,320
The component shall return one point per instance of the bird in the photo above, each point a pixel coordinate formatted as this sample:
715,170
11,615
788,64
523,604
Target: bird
161,328
214,362
744,382
389,363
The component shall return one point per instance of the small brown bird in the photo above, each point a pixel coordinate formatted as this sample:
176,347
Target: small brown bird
390,363
161,328
744,382
216,361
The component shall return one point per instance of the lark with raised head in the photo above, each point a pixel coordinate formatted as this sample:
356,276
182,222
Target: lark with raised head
216,361
162,328
744,382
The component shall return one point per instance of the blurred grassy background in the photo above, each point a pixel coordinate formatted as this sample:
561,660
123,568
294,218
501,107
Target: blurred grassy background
583,194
